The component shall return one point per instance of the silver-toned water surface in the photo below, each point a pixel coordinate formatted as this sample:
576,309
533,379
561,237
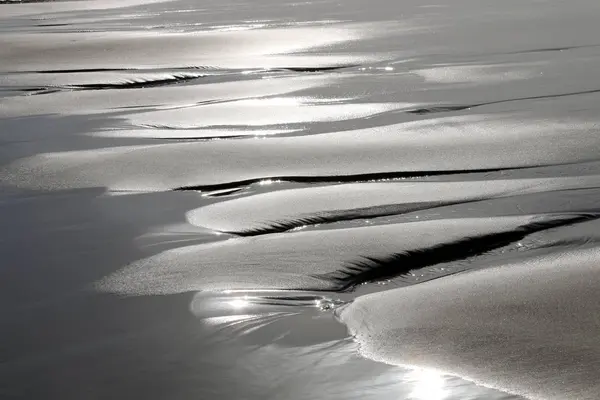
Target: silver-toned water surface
299,200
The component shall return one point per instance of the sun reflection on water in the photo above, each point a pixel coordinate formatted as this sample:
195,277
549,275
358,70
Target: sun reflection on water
427,385
239,303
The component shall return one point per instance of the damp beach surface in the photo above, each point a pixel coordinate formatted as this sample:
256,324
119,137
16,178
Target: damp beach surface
299,200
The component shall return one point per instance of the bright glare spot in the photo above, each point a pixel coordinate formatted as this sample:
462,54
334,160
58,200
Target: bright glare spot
299,228
266,182
274,101
239,303
428,385
389,68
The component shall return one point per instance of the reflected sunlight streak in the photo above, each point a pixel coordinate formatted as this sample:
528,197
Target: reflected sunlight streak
427,385
239,303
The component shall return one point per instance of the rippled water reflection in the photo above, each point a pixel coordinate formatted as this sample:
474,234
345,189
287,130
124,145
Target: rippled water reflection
295,336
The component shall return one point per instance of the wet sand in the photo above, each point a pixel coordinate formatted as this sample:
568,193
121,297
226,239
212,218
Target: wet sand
250,200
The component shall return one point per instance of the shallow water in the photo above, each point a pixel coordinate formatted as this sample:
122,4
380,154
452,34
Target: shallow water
277,199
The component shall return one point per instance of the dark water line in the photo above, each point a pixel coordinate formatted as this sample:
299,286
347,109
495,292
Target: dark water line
349,178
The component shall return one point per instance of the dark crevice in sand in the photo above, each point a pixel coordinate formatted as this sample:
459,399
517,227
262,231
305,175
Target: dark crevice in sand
31,89
195,67
278,227
200,128
75,71
553,49
339,216
50,25
449,108
438,109
173,78
39,92
28,1
137,83
198,139
347,178
332,217
246,128
371,269
312,69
